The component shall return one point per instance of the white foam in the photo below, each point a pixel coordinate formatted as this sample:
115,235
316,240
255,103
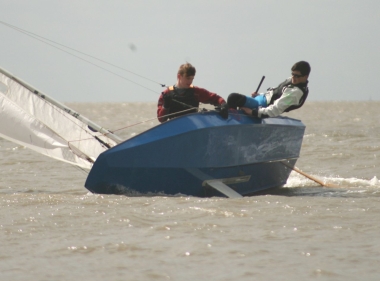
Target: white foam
297,180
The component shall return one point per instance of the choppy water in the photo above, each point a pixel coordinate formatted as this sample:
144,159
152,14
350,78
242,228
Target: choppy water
51,228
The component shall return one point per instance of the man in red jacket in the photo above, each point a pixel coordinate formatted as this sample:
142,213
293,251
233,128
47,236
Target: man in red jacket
183,98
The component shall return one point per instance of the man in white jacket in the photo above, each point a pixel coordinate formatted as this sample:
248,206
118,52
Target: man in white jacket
289,95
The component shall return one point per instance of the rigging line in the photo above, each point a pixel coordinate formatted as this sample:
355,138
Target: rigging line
34,34
154,118
114,73
138,123
167,115
135,124
81,155
184,104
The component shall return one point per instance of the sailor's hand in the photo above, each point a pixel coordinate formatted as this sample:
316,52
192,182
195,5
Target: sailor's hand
167,100
254,94
224,110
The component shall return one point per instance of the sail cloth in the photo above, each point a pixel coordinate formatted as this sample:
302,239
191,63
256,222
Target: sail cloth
34,120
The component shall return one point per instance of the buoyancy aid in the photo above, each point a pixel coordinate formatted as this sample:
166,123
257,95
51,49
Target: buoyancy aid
183,99
278,91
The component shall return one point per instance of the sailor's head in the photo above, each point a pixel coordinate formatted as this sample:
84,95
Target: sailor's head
185,75
300,72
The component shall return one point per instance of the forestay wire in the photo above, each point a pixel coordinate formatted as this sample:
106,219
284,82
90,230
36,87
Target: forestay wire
46,41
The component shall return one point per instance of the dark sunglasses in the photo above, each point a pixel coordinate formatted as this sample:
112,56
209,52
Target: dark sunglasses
297,75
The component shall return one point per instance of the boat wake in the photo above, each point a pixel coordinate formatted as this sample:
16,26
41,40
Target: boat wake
297,185
297,180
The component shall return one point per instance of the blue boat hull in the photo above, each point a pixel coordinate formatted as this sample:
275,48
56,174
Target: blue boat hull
179,156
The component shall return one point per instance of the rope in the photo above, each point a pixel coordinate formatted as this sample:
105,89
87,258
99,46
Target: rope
37,37
142,122
179,112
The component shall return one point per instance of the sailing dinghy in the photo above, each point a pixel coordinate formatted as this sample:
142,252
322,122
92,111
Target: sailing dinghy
199,154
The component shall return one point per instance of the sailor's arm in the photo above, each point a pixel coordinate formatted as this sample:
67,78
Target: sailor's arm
161,110
205,96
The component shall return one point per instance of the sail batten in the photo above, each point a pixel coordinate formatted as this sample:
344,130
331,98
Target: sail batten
33,119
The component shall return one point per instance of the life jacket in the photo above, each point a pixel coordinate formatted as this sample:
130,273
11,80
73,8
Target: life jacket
277,93
182,99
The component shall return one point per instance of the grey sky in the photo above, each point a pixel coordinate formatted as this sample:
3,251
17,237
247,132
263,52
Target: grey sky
231,43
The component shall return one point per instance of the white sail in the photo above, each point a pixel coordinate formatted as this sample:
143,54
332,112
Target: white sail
36,121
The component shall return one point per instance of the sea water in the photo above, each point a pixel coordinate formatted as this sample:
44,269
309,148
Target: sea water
52,228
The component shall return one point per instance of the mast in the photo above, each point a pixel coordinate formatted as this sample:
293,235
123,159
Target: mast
92,125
